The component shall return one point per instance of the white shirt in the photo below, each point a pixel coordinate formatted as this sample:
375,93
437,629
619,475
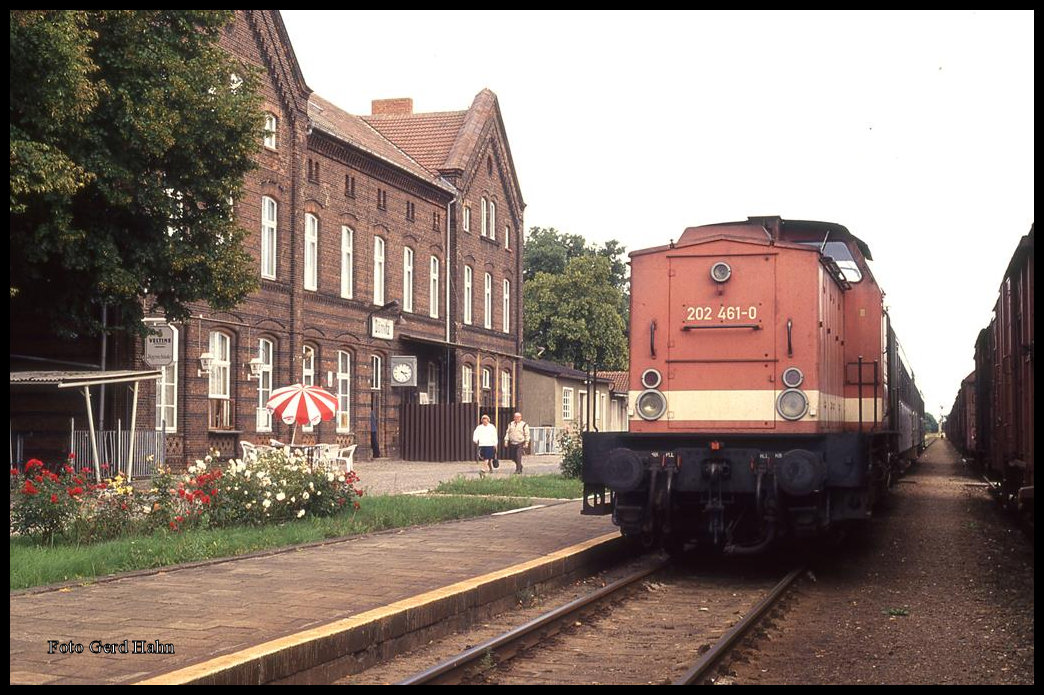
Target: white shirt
485,435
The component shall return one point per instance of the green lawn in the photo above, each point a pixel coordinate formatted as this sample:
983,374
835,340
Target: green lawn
36,565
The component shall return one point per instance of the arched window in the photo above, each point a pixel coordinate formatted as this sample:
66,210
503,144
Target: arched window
344,391
468,292
487,306
269,238
307,373
407,279
347,261
311,252
220,386
266,352
271,124
433,288
378,271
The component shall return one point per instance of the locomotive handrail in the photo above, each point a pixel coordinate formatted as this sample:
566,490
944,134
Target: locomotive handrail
692,327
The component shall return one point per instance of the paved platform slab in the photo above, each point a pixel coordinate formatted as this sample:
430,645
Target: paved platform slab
189,623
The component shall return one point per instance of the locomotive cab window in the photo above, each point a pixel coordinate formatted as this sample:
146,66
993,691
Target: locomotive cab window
838,252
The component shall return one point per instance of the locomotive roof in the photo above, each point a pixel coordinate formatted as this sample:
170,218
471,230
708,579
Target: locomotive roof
775,229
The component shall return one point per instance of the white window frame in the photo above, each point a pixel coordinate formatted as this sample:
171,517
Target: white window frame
269,236
271,124
263,416
567,403
468,294
311,252
167,388
378,271
344,392
487,379
376,372
466,219
505,389
506,308
467,381
507,236
347,261
433,288
433,383
219,387
307,373
492,220
487,304
407,279
485,217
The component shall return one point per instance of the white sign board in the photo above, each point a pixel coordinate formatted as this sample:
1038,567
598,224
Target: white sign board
159,346
382,328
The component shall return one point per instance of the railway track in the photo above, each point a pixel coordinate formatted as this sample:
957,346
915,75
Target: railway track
659,625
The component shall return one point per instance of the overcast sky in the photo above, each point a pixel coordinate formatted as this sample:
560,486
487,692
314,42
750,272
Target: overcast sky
912,129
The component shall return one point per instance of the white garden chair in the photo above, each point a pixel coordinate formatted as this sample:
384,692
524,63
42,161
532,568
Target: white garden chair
344,457
249,451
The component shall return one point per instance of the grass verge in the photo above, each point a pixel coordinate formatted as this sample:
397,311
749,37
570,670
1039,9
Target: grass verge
39,565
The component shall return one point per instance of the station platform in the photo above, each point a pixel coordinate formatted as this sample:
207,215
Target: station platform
270,617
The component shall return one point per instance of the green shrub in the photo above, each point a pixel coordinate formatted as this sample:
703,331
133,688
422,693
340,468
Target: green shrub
571,442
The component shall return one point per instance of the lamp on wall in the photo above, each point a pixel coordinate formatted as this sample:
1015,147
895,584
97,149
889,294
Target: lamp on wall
255,368
205,361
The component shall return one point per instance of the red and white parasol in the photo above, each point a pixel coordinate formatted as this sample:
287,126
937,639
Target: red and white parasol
300,404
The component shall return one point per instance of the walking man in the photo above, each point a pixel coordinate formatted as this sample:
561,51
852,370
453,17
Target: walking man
516,439
485,435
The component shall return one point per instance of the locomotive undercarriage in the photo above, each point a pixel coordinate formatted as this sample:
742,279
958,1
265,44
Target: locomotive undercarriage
737,498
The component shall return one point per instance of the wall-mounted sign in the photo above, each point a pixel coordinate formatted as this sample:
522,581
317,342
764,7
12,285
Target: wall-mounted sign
382,328
159,345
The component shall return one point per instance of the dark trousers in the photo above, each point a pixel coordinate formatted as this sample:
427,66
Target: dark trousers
515,452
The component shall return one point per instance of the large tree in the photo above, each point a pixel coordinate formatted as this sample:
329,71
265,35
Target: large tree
131,132
572,316
550,252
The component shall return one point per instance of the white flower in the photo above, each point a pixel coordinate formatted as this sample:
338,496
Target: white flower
266,504
280,496
249,505
311,485
300,513
304,496
330,477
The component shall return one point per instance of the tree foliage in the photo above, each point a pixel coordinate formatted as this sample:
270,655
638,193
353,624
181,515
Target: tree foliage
571,291
573,316
131,132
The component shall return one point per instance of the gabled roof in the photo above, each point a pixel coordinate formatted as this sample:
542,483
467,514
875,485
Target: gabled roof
356,132
427,137
619,382
447,142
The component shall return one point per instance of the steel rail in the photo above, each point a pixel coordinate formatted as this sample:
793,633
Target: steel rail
477,652
737,631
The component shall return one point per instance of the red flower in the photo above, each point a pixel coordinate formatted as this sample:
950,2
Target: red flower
76,491
29,488
54,498
72,455
34,463
14,471
69,469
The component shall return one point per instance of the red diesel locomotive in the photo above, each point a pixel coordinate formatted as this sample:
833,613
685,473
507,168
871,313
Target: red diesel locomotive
771,400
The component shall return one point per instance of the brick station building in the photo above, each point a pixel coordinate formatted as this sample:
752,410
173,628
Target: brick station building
379,240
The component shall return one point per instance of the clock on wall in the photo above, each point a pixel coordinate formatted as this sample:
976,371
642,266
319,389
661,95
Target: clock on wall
404,370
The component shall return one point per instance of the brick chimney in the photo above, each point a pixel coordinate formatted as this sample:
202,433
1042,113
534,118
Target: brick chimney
392,107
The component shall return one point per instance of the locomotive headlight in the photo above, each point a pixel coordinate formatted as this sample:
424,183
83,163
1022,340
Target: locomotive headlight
792,404
792,377
721,271
651,405
651,378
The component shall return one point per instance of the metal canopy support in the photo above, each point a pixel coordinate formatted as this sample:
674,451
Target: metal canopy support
94,436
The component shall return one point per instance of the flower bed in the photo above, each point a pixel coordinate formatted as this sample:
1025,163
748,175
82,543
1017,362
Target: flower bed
277,487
